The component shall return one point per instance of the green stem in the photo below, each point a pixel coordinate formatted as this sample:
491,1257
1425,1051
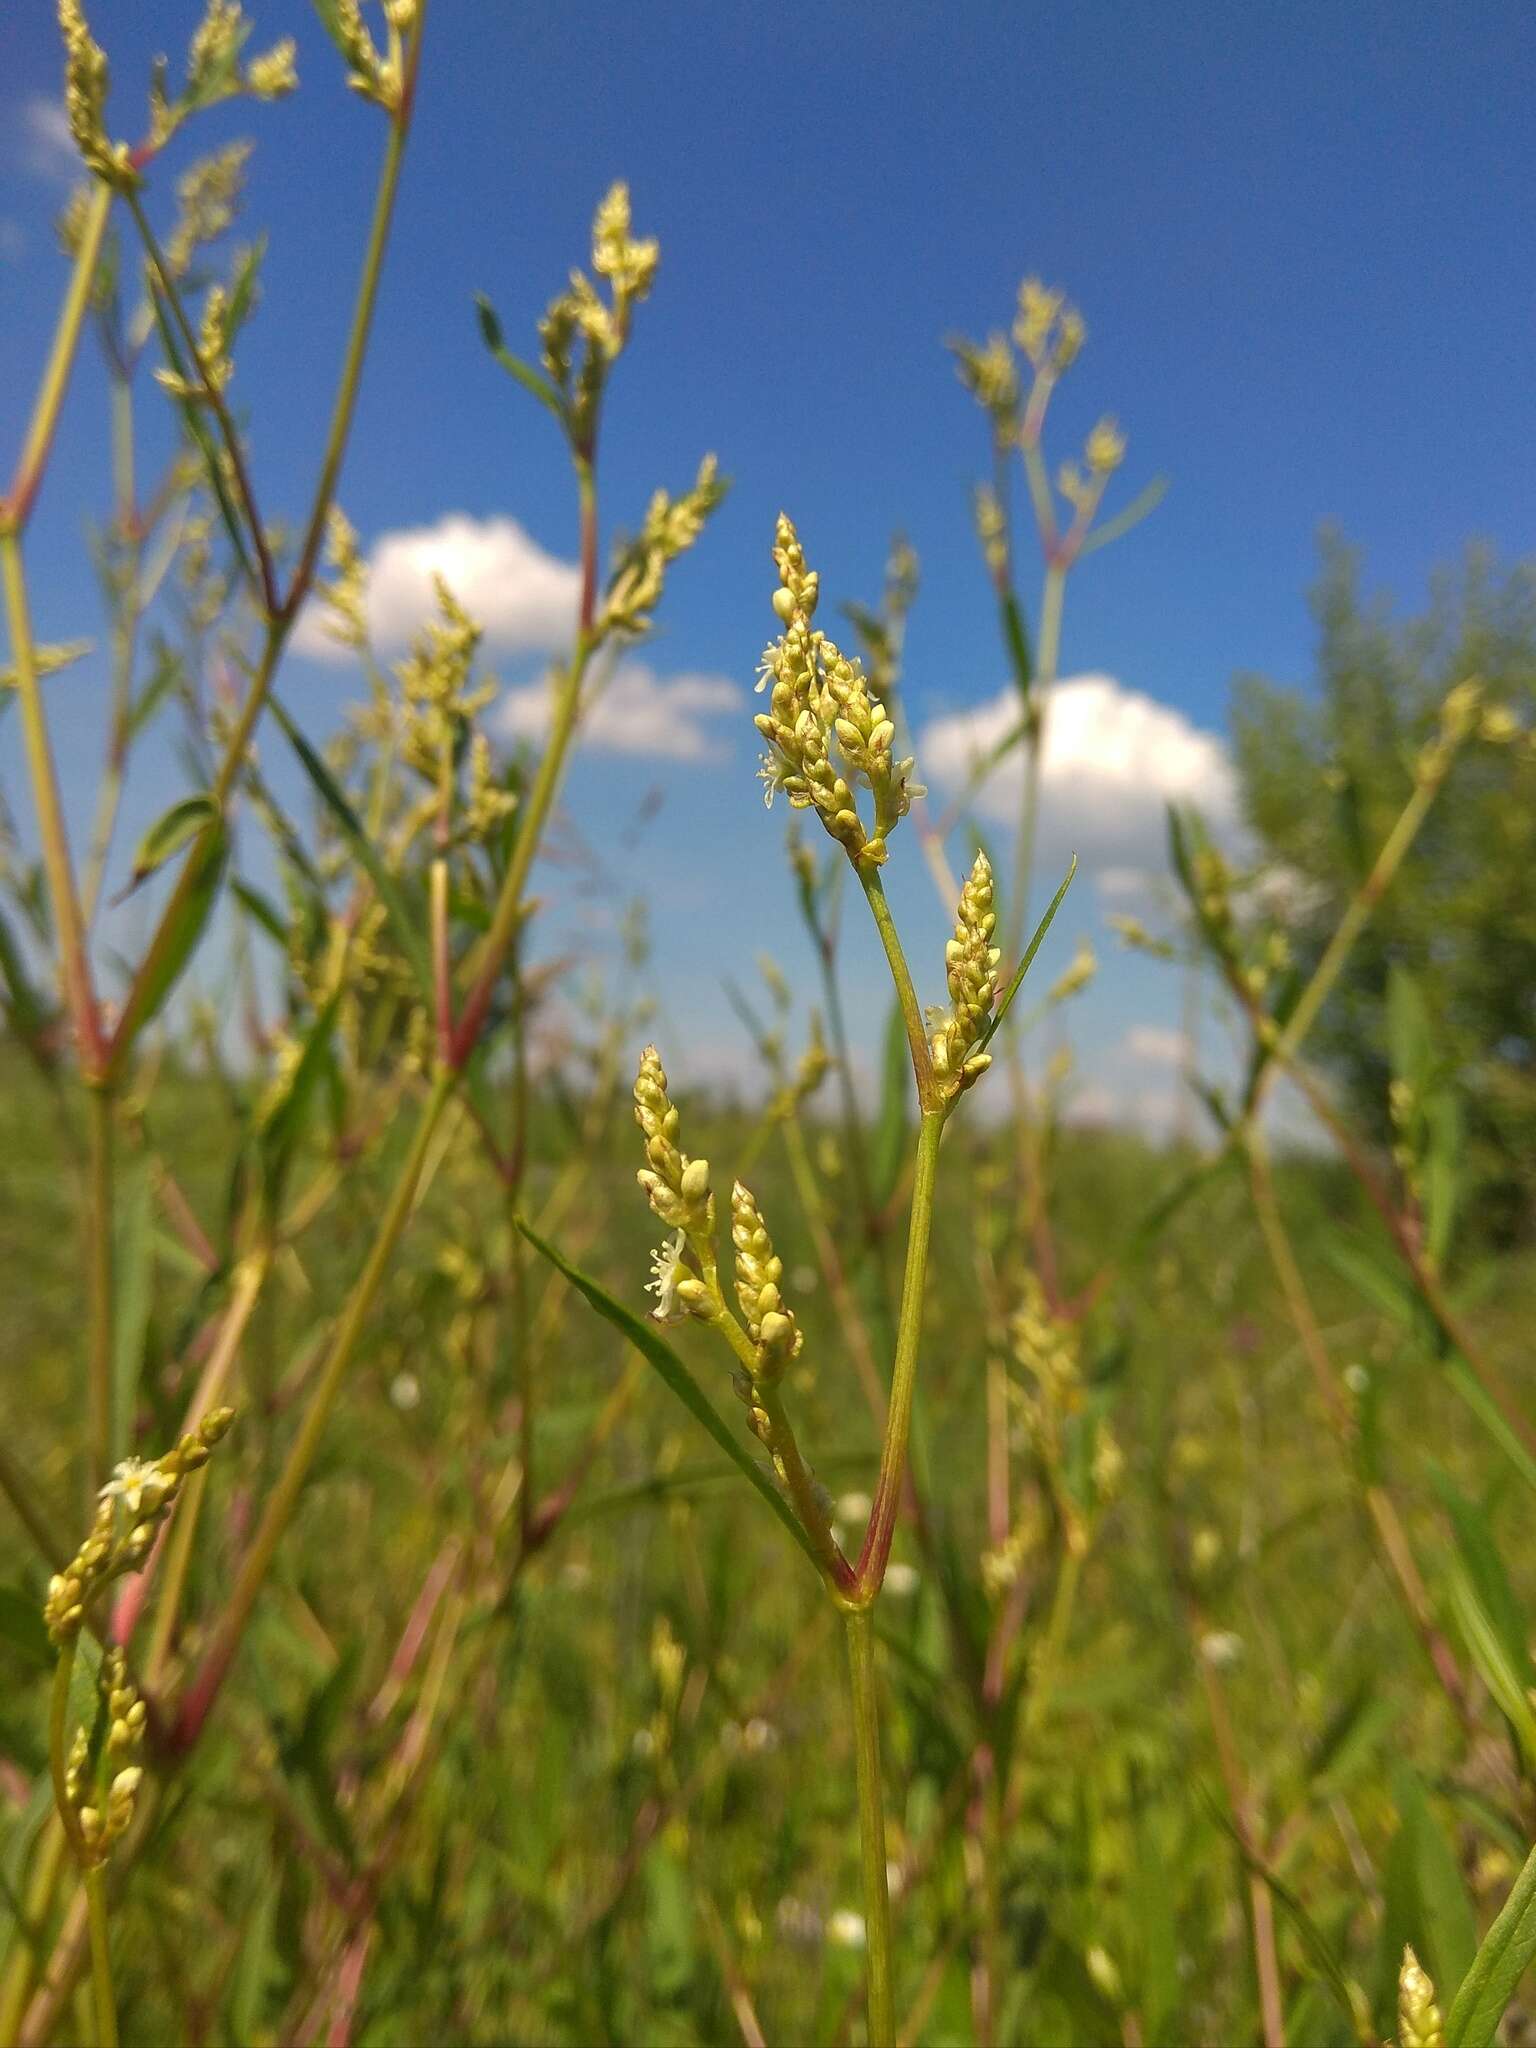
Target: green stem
50,397
906,994
898,1422
101,1958
58,1749
1047,660
877,1901
284,1497
100,1110
26,1951
362,320
43,776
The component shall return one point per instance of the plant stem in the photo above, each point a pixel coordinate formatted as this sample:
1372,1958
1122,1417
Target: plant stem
860,1626
284,1497
78,992
1047,659
22,1967
882,1521
50,396
101,1958
100,1110
906,994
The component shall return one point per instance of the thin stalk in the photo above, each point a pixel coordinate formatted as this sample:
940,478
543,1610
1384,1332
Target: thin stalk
860,1627
21,1970
546,783
58,1749
17,507
906,994
79,994
100,1109
101,1958
882,1521
1047,659
284,1497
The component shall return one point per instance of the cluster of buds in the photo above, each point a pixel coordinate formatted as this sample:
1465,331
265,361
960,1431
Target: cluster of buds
130,1509
678,1190
1049,330
208,197
345,595
820,700
672,525
776,1336
971,968
990,374
215,364
1465,714
1083,486
101,1790
86,78
215,71
580,315
1419,2024
374,74
1079,971
440,699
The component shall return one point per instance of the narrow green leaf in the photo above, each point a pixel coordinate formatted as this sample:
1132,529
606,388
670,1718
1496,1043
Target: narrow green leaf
283,1121
133,1257
173,830
1497,1968
1016,638
1485,1567
888,1149
1447,1927
24,1006
656,1352
261,909
525,373
412,939
1145,501
1486,1409
1016,983
174,943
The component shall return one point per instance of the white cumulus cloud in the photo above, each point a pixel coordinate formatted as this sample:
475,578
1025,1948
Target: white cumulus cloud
1114,759
524,598
637,712
48,148
1156,1044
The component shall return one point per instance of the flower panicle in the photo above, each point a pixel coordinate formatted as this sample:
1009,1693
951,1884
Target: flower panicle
971,963
776,1336
828,734
130,1509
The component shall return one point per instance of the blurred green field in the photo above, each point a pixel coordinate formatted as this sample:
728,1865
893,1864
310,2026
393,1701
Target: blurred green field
613,1839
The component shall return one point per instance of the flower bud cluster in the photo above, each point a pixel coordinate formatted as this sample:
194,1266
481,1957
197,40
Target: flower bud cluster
776,1336
1419,2024
101,1791
373,74
672,525
579,314
821,701
971,968
435,680
86,78
1049,330
676,1186
130,1508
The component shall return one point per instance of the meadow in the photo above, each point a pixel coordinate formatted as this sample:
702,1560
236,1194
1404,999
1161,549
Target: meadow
980,1577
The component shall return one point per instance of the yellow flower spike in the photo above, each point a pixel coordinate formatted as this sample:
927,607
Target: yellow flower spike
771,1323
1419,2024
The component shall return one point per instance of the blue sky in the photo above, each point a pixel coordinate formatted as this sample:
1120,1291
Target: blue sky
1301,238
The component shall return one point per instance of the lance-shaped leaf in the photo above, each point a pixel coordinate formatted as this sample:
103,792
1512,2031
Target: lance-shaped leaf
408,932
174,942
658,1353
1497,1968
1016,982
171,831
525,373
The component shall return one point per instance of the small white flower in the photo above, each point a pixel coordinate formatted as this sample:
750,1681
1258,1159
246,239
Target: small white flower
139,1487
853,1508
759,1736
845,1929
901,1579
405,1391
667,1270
1221,1648
771,775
